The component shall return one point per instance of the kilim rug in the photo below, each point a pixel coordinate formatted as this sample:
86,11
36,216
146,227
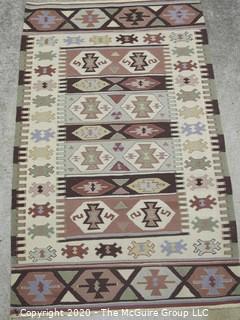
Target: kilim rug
121,196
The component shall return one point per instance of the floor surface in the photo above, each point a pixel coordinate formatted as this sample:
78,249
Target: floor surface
222,18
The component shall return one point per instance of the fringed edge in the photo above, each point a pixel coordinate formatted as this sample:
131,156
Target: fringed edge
76,2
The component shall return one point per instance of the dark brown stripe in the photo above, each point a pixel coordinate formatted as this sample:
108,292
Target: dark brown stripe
163,127
72,182
160,84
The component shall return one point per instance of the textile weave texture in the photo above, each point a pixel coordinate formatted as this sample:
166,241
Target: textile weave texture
121,193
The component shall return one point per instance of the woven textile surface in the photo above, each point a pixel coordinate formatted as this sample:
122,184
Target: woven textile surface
121,193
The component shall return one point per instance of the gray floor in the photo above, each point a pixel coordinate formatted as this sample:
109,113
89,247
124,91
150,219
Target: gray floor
224,32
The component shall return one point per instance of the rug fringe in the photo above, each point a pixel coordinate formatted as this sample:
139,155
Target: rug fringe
64,2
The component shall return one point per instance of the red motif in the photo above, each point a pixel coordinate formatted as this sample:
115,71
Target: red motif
144,131
46,70
75,251
41,210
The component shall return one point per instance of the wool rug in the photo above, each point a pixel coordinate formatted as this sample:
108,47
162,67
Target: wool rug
121,193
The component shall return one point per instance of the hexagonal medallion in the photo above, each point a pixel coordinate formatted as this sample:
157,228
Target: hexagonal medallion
40,288
90,108
142,107
91,132
151,215
212,281
97,285
89,18
139,61
146,156
92,158
93,217
156,283
148,185
89,62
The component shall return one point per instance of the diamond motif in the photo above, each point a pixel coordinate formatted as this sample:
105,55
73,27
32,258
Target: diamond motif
212,281
181,14
92,158
40,288
46,20
93,217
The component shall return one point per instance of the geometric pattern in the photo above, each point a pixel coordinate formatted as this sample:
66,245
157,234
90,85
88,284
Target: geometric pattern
89,18
137,131
91,158
118,156
100,186
107,217
98,18
117,107
179,14
90,108
113,84
46,20
212,281
121,194
119,61
98,285
40,288
155,215
146,156
93,217
157,284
